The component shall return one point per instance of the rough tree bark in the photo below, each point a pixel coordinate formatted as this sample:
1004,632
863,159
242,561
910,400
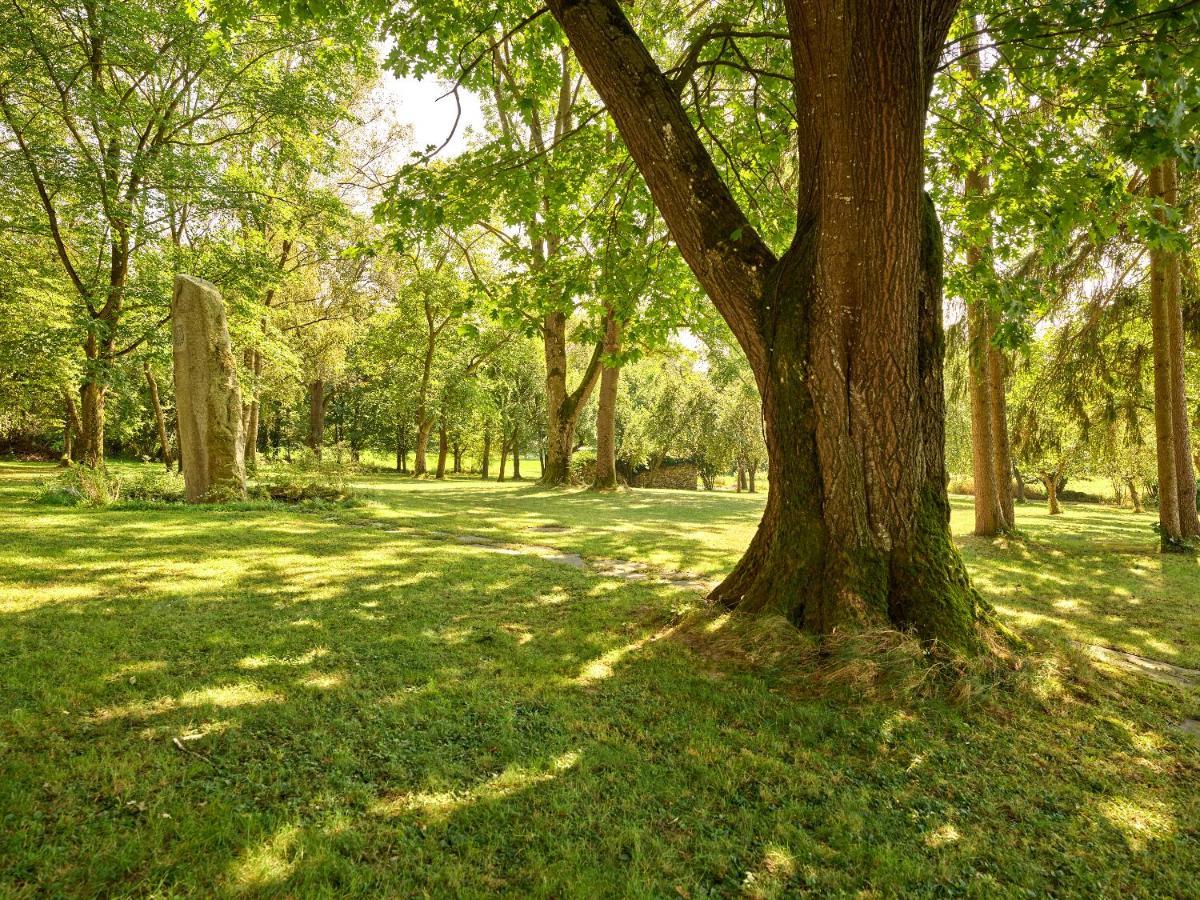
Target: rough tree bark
160,420
843,332
605,478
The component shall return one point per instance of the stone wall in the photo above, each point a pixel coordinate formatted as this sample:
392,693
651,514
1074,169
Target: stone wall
679,476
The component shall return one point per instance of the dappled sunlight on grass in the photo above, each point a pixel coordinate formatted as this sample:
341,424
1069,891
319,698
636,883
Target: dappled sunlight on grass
261,701
439,804
1141,822
244,693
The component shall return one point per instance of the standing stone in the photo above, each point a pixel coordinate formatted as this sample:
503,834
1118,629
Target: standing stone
207,399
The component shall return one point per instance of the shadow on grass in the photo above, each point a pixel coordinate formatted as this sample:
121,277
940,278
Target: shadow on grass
199,701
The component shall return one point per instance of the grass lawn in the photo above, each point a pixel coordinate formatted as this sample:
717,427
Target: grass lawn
261,701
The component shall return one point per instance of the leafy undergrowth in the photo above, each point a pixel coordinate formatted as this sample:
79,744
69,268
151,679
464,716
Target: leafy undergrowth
255,701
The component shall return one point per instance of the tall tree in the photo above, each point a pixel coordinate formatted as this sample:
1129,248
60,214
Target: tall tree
843,331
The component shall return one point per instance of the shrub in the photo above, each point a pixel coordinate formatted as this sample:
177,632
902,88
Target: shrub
80,486
151,484
301,487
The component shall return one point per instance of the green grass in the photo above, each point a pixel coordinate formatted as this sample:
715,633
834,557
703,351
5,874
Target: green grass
367,713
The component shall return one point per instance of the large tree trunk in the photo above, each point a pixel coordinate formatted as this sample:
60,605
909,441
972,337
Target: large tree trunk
1170,533
605,477
1185,474
160,420
844,332
316,416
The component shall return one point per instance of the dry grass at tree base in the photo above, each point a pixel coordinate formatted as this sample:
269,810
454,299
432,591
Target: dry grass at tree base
256,700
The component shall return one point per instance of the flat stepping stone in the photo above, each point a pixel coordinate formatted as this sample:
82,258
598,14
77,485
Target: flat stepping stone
1155,669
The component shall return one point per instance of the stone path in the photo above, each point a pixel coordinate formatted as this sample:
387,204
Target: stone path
625,569
1156,669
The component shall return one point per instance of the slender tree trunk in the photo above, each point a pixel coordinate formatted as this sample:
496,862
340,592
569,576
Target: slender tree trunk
420,464
159,419
1185,474
503,459
443,447
316,416
485,462
456,456
252,411
1051,483
605,476
1134,496
998,366
1019,484
1164,418
844,332
990,457
516,454
74,428
741,477
751,471
562,408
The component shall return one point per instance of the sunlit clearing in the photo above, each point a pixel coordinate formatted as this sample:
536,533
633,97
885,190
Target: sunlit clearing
324,681
511,780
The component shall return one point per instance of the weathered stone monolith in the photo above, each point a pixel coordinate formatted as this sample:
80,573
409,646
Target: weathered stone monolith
207,399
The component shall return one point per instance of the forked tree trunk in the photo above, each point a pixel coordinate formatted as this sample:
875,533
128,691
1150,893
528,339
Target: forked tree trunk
741,477
605,477
160,420
401,448
503,459
316,416
562,409
844,332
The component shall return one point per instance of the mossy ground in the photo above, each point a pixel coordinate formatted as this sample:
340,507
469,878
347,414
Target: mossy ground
258,701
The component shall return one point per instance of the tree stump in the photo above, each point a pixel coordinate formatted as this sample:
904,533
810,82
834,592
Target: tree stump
207,398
